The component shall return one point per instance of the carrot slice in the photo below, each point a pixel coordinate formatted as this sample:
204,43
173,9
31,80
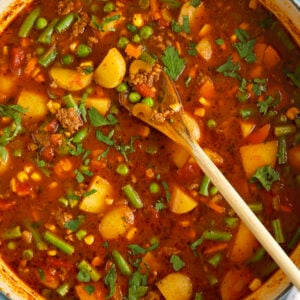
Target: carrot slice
259,135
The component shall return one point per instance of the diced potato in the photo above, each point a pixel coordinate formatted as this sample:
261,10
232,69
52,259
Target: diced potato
176,286
181,202
116,222
258,155
244,245
150,261
247,127
178,154
204,48
6,87
34,103
102,105
111,70
207,89
71,80
97,201
271,57
193,13
234,283
192,126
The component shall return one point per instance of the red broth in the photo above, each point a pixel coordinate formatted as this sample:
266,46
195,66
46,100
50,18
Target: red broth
94,203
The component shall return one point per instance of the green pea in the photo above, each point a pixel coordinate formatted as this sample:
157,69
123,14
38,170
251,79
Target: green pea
41,23
154,188
123,42
211,123
67,59
122,87
11,245
109,7
134,97
131,28
40,51
146,32
27,254
149,101
122,169
136,38
213,191
83,50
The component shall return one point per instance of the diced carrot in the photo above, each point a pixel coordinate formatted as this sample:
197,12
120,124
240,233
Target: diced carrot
271,57
145,90
207,89
285,208
155,11
216,207
294,157
133,50
259,135
63,168
215,248
292,113
31,65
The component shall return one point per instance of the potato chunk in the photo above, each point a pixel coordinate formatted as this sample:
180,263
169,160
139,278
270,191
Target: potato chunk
34,103
176,286
111,70
71,80
97,201
181,202
116,222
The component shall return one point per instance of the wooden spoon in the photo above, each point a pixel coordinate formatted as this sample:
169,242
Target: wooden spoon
168,118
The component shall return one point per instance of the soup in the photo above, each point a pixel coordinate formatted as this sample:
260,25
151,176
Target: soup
96,204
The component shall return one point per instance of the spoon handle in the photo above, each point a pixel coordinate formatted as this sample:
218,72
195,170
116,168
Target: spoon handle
179,133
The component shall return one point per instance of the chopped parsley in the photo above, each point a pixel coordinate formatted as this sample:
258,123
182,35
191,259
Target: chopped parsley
229,69
177,262
269,102
219,42
195,3
110,281
295,77
137,286
245,46
174,65
98,120
172,3
136,249
90,289
266,176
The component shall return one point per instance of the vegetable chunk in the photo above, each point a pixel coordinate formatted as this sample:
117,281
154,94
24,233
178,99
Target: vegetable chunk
111,70
116,222
176,286
101,193
34,103
71,80
181,202
258,155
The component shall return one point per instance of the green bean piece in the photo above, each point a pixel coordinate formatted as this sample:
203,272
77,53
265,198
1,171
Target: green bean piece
48,57
256,207
70,101
46,35
215,259
63,289
281,130
40,244
215,235
132,196
258,255
29,22
88,268
204,188
65,23
12,233
121,262
80,135
296,237
59,243
277,230
231,222
109,7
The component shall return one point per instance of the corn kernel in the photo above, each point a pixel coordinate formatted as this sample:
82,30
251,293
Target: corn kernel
204,101
109,201
89,239
52,252
50,227
22,176
53,185
205,30
200,112
138,20
28,169
233,38
35,176
13,185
